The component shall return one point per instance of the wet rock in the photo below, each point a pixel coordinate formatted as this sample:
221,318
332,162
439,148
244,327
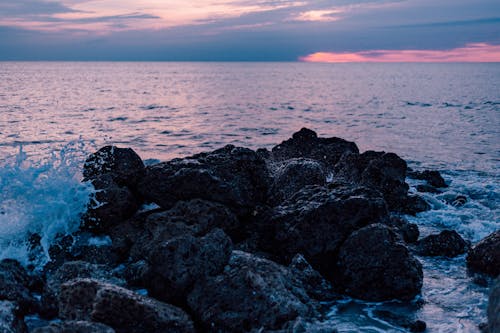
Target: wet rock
382,171
432,177
402,321
123,165
408,231
111,205
494,308
484,257
10,318
301,325
306,144
251,293
428,189
70,271
414,204
293,175
119,308
74,326
15,285
447,243
315,285
375,265
236,177
454,199
317,220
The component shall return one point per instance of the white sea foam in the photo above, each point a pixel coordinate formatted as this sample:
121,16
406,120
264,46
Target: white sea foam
44,198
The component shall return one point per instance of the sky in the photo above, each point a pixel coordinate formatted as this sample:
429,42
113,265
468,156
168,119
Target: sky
246,30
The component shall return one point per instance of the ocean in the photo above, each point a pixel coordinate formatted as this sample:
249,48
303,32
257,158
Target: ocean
439,116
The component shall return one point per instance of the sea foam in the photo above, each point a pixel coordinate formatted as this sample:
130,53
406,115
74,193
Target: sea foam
40,200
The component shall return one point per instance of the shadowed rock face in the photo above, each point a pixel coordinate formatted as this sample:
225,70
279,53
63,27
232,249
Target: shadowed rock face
432,177
318,219
119,308
15,285
485,256
236,177
306,144
447,243
74,326
251,293
10,319
375,265
494,308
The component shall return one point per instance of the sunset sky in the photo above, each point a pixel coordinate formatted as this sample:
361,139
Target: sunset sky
244,30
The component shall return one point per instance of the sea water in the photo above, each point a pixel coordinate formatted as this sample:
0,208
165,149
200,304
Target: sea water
440,116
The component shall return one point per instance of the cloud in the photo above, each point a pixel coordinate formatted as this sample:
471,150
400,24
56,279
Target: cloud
327,15
477,52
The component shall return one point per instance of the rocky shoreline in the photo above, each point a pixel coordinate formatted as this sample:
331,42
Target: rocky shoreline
236,240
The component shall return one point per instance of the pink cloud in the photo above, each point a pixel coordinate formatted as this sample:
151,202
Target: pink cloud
478,52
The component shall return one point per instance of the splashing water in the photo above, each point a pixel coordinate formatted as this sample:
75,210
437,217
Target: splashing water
40,199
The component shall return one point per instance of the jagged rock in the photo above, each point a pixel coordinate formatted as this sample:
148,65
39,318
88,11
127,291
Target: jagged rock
111,205
484,257
293,175
234,176
382,171
447,243
74,326
375,265
414,204
408,231
315,285
15,285
427,189
251,293
317,220
306,144
432,177
494,308
10,318
122,309
123,165
67,272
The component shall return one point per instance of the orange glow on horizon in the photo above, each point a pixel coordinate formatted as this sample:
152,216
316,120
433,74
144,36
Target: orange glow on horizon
477,52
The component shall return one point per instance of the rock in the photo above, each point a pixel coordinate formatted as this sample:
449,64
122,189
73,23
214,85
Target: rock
402,321
382,171
15,285
236,177
315,285
122,309
293,175
251,293
317,220
408,231
10,318
69,271
414,204
494,308
306,144
177,264
111,205
375,265
301,325
74,326
428,189
485,256
448,243
123,165
432,177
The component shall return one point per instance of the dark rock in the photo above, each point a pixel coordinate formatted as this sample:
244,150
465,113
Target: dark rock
402,321
293,175
317,220
67,272
375,265
122,309
10,318
122,164
14,285
251,293
414,204
408,231
494,308
301,325
111,205
454,200
315,285
74,326
236,177
447,243
428,189
177,264
382,171
306,144
432,177
485,256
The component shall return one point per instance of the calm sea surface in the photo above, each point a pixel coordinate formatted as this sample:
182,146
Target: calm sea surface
443,116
